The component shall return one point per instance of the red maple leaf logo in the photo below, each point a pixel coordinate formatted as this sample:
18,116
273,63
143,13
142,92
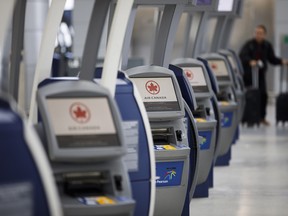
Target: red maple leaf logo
80,112
152,87
214,66
189,74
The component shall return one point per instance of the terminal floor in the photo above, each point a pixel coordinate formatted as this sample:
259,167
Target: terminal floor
256,182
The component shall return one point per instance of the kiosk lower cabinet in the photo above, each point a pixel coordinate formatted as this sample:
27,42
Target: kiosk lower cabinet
163,101
84,140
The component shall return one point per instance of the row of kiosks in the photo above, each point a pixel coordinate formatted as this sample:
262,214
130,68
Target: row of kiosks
231,94
82,128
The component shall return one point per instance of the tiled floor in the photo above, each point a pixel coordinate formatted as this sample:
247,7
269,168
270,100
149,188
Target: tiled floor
256,182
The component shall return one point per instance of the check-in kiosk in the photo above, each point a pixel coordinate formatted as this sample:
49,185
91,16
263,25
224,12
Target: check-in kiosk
83,136
227,104
237,80
194,82
140,159
162,98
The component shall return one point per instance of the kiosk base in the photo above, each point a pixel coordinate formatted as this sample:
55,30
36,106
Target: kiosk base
211,177
202,190
224,160
236,136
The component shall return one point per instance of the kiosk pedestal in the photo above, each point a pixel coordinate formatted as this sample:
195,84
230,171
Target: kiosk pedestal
229,125
172,166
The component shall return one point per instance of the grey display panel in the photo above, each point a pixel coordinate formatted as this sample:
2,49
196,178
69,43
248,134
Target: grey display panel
220,69
158,94
196,78
77,122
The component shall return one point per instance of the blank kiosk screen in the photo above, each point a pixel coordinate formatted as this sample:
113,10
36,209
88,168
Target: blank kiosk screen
158,94
225,5
220,70
196,78
78,123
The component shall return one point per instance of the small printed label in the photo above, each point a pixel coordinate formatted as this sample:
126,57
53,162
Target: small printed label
201,120
131,132
99,200
224,103
169,147
164,147
105,201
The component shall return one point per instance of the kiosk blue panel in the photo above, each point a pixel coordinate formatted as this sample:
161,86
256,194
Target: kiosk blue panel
20,180
206,139
226,120
169,173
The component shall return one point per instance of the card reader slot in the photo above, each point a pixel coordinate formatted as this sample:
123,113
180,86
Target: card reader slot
200,112
87,184
163,136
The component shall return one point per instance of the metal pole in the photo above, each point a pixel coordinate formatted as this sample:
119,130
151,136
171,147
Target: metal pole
166,35
93,39
18,27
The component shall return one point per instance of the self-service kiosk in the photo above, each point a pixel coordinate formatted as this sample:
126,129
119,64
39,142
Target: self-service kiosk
162,98
194,82
83,136
27,186
237,80
140,158
227,105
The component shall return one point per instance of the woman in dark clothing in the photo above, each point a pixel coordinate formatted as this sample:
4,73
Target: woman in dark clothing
258,52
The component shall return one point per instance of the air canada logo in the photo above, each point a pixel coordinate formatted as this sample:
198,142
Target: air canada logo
214,66
80,113
189,74
152,87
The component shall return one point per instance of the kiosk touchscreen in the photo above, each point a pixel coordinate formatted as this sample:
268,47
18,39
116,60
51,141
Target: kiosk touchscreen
83,135
227,100
163,101
220,70
194,71
157,98
196,78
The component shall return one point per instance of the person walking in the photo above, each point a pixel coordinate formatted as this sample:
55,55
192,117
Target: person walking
259,52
